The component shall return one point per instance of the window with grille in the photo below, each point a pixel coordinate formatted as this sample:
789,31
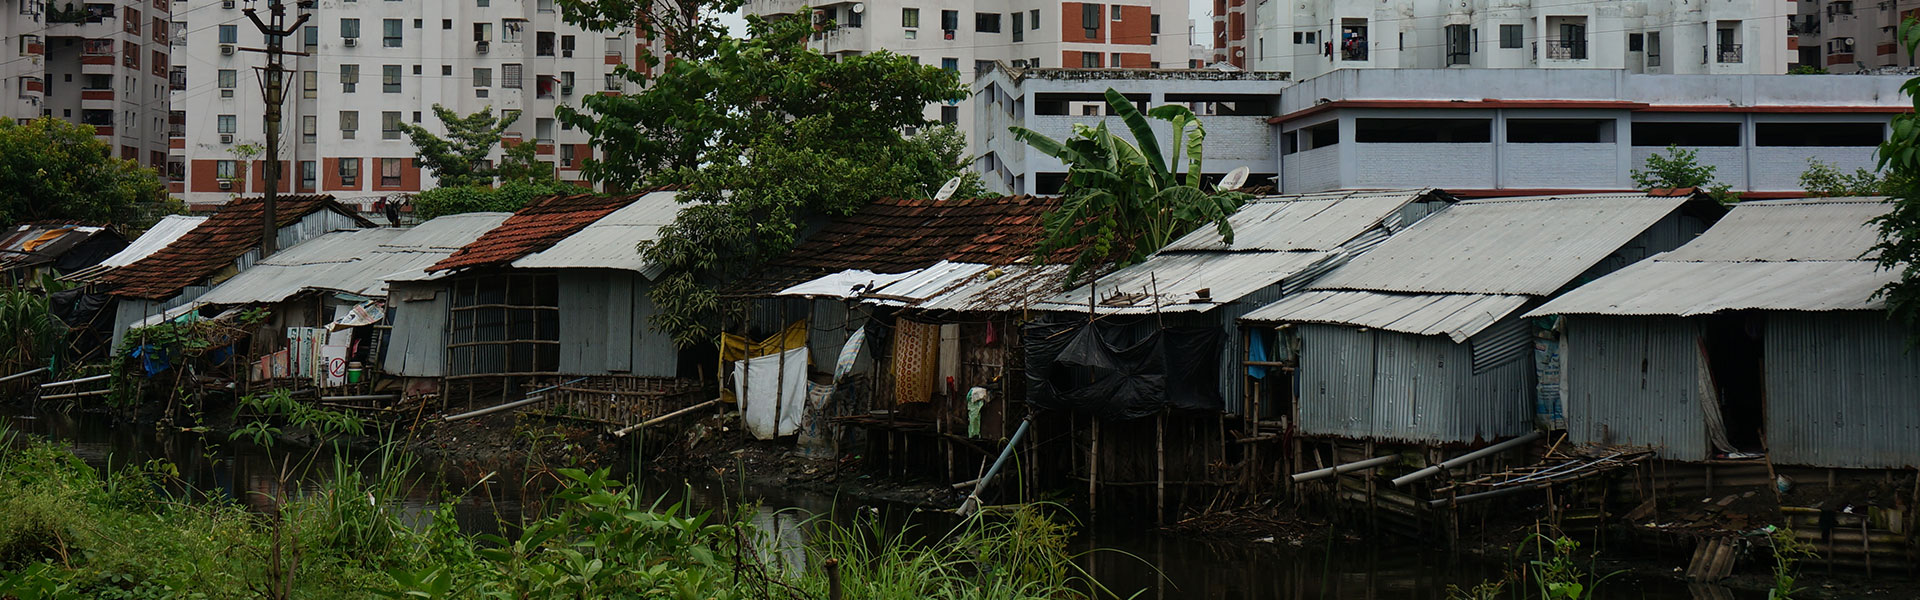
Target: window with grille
349,123
504,325
510,76
390,79
390,172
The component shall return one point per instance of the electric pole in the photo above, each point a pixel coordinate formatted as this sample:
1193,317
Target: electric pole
273,86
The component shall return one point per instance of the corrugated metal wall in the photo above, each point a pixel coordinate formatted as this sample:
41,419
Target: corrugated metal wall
1635,380
1842,391
1370,384
604,326
1233,375
418,346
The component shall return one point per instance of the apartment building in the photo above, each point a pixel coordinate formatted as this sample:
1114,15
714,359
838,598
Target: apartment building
969,36
368,66
100,63
1312,37
1846,36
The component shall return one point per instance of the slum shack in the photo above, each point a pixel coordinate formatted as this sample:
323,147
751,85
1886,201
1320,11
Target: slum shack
158,286
1755,356
35,250
88,313
910,310
1150,351
1418,346
325,304
548,311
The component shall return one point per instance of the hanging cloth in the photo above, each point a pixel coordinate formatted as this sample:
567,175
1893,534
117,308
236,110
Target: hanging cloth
976,400
916,353
1257,352
849,353
773,392
737,347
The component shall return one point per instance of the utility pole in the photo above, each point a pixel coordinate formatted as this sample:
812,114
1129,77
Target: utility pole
273,86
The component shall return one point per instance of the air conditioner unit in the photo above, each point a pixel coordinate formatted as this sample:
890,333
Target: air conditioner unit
351,42
480,93
226,4
566,54
226,184
226,49
226,138
226,93
566,90
480,47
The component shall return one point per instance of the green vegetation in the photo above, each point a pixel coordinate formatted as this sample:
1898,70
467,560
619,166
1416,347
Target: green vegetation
1807,70
1899,247
52,169
71,532
460,158
1788,550
1826,180
509,197
1125,200
1681,168
31,332
1551,573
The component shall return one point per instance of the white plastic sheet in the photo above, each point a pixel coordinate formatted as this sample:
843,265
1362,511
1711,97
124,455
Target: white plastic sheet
770,387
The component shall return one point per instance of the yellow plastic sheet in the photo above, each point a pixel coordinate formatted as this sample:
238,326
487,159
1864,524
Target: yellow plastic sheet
737,348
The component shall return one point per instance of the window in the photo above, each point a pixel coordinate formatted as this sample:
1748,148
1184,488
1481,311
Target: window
227,124
309,84
1636,42
912,34
510,76
1090,20
610,82
543,43
1154,29
854,19
309,129
390,33
390,125
416,69
482,32
950,114
1322,135
482,78
1033,18
1019,27
229,79
350,171
566,46
950,20
310,35
1510,36
1114,60
309,171
1090,60
566,155
1662,134
416,117
349,78
105,82
909,17
349,123
510,30
1459,48
390,79
390,172
1818,134
950,64
1423,131
446,24
229,34
349,28
1560,131
986,22
226,169
543,130
1116,12
446,70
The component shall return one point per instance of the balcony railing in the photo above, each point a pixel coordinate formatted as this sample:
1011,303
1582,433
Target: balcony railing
1357,50
1559,49
1729,53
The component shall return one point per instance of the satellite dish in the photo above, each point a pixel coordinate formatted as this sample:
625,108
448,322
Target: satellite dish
859,7
1234,180
947,190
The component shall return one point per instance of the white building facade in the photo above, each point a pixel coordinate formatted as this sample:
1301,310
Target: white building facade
969,36
1311,37
104,64
1846,36
369,66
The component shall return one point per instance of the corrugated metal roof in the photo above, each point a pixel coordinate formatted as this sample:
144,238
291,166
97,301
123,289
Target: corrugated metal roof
893,235
355,262
1767,255
537,227
1321,221
609,243
169,228
1227,276
1529,246
1012,287
1457,316
213,245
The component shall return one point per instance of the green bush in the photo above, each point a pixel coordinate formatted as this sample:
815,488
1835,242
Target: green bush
509,197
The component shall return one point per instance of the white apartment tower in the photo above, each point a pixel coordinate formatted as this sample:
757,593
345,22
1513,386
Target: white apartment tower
969,36
369,66
1311,37
1845,36
100,63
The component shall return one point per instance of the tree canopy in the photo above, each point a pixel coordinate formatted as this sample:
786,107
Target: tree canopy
1681,168
460,158
1899,247
52,169
763,134
1125,200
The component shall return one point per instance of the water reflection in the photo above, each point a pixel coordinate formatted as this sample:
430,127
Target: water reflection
1131,561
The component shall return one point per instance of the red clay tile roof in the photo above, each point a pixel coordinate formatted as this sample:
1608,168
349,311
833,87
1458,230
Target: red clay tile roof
212,246
536,227
894,236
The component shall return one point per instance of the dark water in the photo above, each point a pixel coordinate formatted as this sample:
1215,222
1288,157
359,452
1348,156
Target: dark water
1132,561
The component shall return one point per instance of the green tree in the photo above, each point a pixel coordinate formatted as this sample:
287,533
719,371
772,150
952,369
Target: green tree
460,158
1826,180
52,169
508,197
1681,168
1899,247
763,134
1125,200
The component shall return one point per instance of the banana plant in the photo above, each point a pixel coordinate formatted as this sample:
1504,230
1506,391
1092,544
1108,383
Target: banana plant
1123,200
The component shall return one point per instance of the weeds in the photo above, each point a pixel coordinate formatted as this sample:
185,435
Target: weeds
278,406
1788,550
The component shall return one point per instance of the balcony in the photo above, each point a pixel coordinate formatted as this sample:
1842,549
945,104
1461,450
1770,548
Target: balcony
1566,49
1728,53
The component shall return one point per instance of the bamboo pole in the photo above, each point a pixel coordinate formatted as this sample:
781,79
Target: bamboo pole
661,418
531,397
21,374
74,381
78,394
1160,478
1093,474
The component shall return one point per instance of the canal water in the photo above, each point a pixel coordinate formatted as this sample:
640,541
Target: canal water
1132,561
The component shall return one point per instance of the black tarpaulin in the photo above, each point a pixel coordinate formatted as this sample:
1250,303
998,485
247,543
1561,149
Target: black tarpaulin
1115,373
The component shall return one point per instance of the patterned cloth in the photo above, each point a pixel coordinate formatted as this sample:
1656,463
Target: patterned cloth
916,353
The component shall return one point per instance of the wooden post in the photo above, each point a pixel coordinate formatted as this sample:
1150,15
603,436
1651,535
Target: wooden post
1093,474
1866,541
832,567
1160,479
